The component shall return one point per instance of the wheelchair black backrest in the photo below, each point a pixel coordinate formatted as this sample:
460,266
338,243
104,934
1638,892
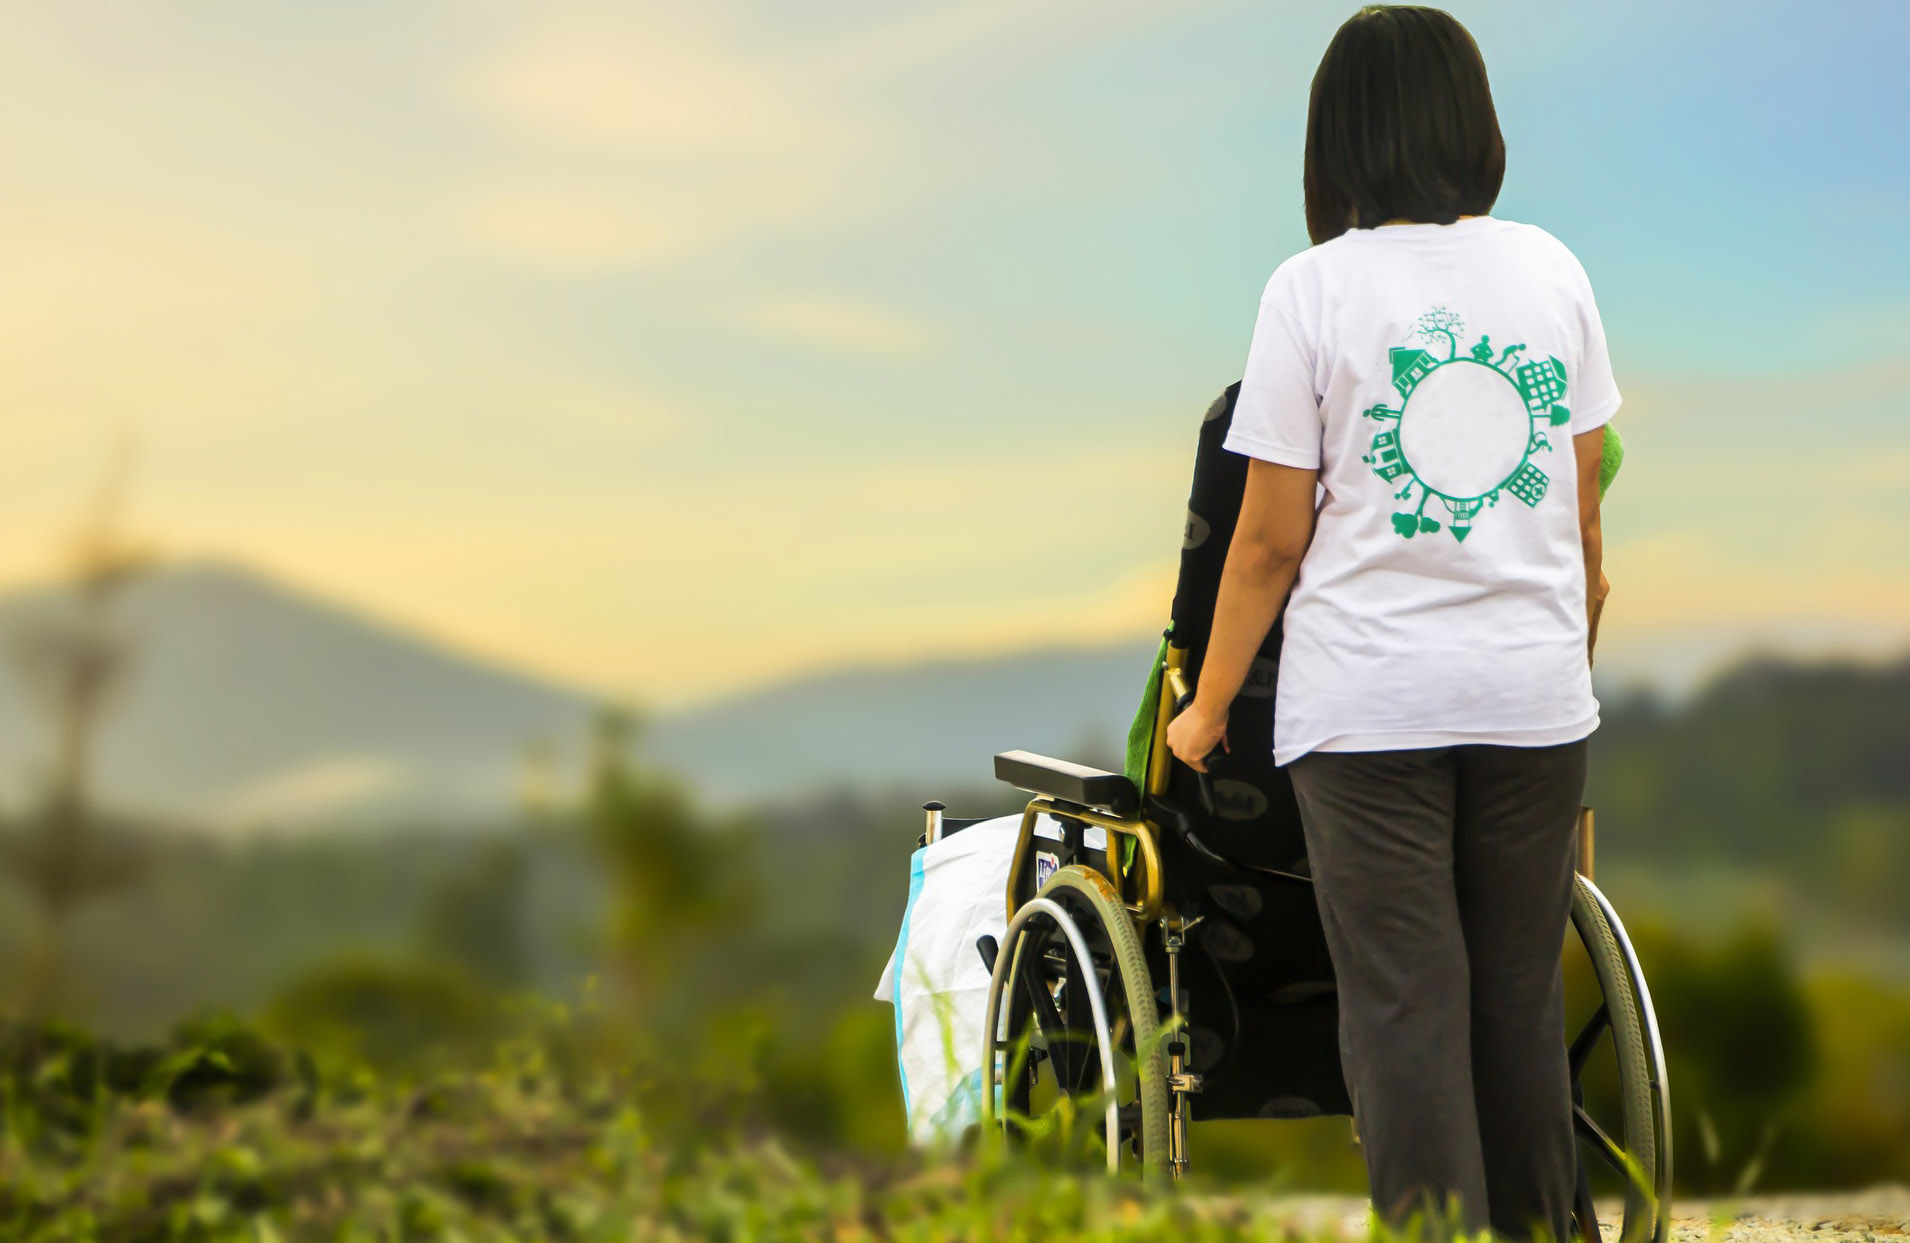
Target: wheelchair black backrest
1257,821
1261,978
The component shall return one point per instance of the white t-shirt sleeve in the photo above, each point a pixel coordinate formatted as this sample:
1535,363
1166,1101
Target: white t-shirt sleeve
1277,416
1594,391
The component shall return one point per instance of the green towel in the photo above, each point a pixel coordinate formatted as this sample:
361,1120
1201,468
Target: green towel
1614,457
1140,735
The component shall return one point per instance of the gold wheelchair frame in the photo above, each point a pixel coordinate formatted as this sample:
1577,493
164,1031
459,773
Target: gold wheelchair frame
1139,885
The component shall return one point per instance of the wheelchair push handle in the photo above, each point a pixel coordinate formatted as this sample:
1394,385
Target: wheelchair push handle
1209,802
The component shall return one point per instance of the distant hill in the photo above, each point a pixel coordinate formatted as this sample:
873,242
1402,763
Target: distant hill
250,703
936,725
1775,759
254,704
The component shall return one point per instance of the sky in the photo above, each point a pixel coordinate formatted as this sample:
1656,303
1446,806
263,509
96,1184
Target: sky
671,349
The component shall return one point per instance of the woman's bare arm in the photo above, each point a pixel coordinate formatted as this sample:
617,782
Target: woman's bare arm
1270,539
1589,448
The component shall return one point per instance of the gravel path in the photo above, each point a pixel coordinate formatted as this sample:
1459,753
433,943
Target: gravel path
1879,1215
1875,1216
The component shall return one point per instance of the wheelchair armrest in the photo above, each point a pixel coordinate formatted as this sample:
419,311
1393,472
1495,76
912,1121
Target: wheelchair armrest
1073,783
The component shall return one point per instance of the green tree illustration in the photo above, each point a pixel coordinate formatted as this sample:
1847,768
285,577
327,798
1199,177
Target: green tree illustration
1440,322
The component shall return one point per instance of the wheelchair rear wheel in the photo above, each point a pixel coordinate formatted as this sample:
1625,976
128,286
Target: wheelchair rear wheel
1075,1030
1620,1112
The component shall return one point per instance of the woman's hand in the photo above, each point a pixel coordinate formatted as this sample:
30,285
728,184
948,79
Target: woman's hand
1194,733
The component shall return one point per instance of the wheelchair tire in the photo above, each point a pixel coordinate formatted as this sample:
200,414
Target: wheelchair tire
1113,941
1644,1131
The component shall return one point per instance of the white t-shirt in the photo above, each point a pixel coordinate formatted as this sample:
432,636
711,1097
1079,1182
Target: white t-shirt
1435,375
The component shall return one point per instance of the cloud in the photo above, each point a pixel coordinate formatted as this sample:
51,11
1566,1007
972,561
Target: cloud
573,228
635,140
642,139
595,416
936,32
632,82
836,323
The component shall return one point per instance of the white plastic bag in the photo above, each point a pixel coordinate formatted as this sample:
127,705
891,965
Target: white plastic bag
935,978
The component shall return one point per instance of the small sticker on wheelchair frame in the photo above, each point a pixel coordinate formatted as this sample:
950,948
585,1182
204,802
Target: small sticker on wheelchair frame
1046,865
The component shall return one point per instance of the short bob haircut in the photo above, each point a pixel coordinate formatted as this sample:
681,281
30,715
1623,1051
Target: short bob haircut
1400,125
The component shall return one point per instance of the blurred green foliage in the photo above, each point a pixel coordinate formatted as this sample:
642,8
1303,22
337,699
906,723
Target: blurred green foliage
1854,1128
218,1135
1742,1054
1800,771
474,918
402,1016
684,887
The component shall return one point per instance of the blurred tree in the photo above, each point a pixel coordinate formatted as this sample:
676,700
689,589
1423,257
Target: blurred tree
842,1090
475,917
1867,855
682,884
72,661
1741,1051
396,1015
1857,1129
537,781
1748,772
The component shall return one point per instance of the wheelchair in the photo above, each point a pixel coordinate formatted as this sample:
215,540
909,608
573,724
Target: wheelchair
1164,962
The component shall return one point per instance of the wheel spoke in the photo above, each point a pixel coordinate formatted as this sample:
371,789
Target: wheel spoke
1601,1143
1076,972
1582,1046
1084,1057
1047,1021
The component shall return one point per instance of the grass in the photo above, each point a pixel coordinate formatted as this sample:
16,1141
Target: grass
222,1135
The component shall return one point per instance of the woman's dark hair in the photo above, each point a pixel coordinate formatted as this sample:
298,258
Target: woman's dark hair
1400,125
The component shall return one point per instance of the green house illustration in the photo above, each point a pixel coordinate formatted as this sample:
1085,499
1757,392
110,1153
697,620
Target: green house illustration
1386,459
1542,384
1528,483
1409,367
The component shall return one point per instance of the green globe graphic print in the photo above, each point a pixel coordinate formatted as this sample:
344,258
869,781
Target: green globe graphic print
1467,427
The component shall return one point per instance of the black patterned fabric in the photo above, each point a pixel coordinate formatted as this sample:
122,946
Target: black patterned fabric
1256,980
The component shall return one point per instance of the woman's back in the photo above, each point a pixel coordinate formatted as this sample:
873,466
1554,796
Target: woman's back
1435,375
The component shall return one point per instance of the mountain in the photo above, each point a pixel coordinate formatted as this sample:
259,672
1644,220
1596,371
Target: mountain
253,704
934,727
250,704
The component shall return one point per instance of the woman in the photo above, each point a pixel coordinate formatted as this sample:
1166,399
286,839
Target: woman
1424,403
